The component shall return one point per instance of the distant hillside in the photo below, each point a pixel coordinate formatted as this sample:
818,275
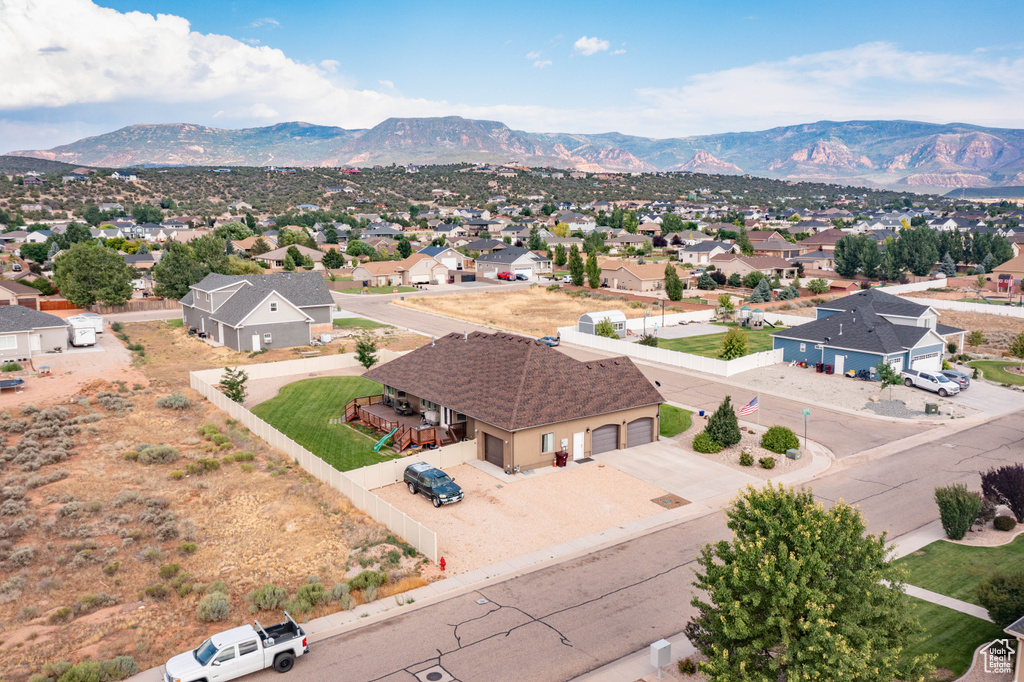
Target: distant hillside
903,154
24,164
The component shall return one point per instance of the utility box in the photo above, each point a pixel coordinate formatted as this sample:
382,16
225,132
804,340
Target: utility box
793,454
931,408
661,654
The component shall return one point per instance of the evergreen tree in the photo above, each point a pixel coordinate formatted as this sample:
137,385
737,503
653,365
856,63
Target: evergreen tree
404,248
762,292
723,426
576,268
734,345
366,351
746,247
561,257
948,267
673,285
289,262
870,257
232,383
847,256
593,272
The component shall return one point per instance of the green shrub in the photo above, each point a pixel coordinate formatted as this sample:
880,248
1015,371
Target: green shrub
648,340
116,327
767,462
1003,596
722,426
111,568
218,586
248,467
779,439
202,465
168,571
367,578
157,590
158,454
704,442
91,602
1004,523
746,459
314,593
958,508
244,456
687,666
208,430
60,615
187,548
266,598
177,475
174,401
220,438
10,367
214,606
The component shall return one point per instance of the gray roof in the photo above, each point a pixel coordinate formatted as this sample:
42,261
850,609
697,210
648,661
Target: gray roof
484,244
859,329
708,246
16,318
1016,628
946,330
509,254
303,289
435,250
879,301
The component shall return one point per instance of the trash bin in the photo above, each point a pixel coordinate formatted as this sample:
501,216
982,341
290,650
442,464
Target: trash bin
818,367
829,369
561,458
793,454
931,408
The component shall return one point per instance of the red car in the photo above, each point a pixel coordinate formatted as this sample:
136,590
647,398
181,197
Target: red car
506,275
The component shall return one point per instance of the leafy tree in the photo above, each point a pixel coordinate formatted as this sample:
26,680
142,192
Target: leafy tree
576,268
725,302
593,272
331,236
232,383
178,270
535,243
847,256
734,345
630,222
366,351
1002,595
333,259
705,282
357,248
561,257
1005,485
746,247
958,508
43,285
234,230
1016,349
606,329
976,338
242,266
920,250
260,247
948,267
817,286
250,222
37,252
723,426
211,252
145,213
87,273
801,593
888,376
673,285
404,248
752,279
671,222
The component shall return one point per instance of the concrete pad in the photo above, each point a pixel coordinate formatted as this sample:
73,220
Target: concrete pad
990,399
680,472
684,331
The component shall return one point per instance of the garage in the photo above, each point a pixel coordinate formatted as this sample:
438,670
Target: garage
927,361
605,439
494,450
524,272
639,432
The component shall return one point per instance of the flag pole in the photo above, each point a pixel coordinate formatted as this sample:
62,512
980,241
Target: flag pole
759,409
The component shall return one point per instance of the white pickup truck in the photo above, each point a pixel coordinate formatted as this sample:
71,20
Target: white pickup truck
240,651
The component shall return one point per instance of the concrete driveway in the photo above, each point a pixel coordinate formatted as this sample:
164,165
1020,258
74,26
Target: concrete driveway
989,399
678,471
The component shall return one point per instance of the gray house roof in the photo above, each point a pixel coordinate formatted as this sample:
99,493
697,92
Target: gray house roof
303,289
707,247
1016,628
858,329
16,318
879,301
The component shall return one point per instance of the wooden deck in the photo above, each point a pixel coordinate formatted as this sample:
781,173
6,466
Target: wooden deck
372,411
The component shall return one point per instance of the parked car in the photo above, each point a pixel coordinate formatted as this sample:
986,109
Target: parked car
432,483
566,279
959,378
550,340
930,381
522,277
506,276
240,651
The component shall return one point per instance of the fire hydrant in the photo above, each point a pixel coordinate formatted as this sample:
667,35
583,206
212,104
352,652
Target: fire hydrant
441,563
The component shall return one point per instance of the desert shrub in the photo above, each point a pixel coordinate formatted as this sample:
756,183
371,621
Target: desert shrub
705,442
1005,484
94,506
687,666
208,430
29,409
314,593
266,598
157,590
367,578
187,548
14,425
779,439
218,586
157,454
91,602
126,497
174,401
21,557
1004,523
168,571
176,475
111,568
152,554
59,616
246,467
746,459
723,426
167,531
370,593
12,508
958,508
214,606
1003,596
220,438
767,462
244,456
297,606
71,509
341,594
202,465
114,402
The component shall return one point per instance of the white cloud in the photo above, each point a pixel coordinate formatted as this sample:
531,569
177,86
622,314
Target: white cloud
589,46
542,64
619,51
533,55
387,84
330,65
265,21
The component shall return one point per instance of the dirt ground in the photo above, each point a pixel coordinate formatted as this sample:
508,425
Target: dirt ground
66,534
499,520
534,311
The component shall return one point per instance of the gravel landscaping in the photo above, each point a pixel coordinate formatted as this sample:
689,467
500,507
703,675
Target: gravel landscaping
853,394
749,442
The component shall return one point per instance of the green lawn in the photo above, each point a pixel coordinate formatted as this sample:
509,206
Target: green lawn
993,371
957,570
303,409
175,323
674,420
708,345
951,635
357,322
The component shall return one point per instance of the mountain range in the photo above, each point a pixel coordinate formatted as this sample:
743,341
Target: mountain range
907,155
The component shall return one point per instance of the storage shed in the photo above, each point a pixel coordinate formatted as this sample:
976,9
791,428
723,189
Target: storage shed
589,321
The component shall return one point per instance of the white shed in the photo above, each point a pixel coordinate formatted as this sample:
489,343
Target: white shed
589,321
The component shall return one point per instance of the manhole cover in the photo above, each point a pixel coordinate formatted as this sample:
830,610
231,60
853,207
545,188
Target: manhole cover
670,501
435,674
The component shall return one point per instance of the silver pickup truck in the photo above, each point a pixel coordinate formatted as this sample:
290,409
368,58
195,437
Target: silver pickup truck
240,651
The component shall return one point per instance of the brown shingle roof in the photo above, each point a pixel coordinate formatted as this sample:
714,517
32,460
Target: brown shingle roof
19,288
645,271
507,380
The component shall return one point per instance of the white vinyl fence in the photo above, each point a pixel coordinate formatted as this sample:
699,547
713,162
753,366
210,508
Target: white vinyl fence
897,289
664,356
965,307
355,485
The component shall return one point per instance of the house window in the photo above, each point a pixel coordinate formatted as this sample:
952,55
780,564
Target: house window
8,342
803,347
273,306
547,442
460,418
427,405
389,390
267,338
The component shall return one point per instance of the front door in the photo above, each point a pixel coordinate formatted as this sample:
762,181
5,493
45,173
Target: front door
577,445
840,362
255,343
36,342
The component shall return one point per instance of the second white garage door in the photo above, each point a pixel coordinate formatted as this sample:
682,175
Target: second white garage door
928,362
604,439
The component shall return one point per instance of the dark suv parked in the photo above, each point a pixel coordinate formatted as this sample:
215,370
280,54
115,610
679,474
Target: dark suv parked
432,483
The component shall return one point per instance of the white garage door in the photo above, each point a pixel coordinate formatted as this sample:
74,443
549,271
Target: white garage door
604,439
524,271
929,361
896,363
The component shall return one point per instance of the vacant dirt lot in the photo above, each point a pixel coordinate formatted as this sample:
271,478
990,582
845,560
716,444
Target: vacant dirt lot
498,520
534,311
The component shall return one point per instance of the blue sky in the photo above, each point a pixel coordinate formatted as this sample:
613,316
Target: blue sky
75,67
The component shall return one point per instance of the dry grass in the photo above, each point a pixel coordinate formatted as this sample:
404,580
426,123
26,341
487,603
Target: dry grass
534,311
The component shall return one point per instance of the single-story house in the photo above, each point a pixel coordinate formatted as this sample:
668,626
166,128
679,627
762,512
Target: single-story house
418,268
16,293
769,266
863,329
498,390
25,332
817,260
484,245
822,241
779,248
252,312
38,236
514,259
633,276
276,257
650,229
448,257
1014,267
701,253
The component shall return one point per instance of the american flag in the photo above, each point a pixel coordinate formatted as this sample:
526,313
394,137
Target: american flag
749,408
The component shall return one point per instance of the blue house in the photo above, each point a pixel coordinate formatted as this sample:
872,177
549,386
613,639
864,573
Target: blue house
860,330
